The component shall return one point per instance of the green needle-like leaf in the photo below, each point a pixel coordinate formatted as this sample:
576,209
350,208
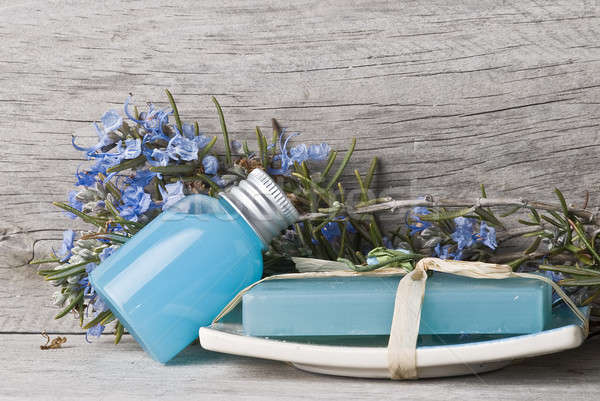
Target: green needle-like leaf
364,196
577,271
445,215
580,281
175,111
128,164
66,268
563,202
511,211
550,220
204,151
483,193
108,319
70,307
262,146
101,316
118,332
68,273
534,246
98,221
591,298
182,169
330,161
44,260
342,166
374,232
370,173
208,181
582,236
224,130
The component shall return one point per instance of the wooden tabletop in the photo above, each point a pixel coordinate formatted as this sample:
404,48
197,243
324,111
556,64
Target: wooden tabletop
447,94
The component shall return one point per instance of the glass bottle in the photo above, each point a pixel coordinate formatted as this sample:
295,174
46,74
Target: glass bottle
177,273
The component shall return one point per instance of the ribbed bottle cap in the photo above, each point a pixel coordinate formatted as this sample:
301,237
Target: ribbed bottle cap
263,205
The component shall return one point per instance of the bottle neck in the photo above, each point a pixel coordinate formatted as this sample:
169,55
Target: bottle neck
260,209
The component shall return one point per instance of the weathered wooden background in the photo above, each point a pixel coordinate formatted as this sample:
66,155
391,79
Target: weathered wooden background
447,93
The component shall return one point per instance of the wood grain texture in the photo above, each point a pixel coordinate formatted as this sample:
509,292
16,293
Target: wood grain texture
447,94
82,371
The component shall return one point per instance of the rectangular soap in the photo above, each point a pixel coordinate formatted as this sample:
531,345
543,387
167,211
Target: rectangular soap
364,305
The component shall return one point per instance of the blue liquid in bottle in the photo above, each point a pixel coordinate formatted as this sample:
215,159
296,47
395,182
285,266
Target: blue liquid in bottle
179,271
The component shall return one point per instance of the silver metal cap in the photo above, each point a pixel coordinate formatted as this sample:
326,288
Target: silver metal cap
264,206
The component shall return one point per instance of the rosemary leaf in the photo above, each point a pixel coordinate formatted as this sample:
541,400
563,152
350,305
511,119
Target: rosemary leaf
128,164
204,151
342,166
118,332
101,316
70,307
175,111
445,215
370,173
175,170
224,130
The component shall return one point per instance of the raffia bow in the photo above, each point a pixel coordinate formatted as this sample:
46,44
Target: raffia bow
402,345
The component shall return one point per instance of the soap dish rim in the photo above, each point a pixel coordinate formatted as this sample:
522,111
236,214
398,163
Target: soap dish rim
432,360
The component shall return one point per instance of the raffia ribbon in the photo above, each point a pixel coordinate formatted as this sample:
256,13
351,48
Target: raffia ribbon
402,345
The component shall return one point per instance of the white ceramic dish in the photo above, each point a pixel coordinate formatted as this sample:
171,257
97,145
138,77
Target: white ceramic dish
364,356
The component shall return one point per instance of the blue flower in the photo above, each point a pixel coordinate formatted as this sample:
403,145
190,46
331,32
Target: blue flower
201,141
171,194
99,305
181,148
463,233
297,154
74,203
331,231
111,121
142,178
159,158
487,235
85,178
106,252
318,152
350,228
105,161
189,131
135,202
236,146
95,331
444,252
127,113
554,276
88,290
414,221
286,162
210,164
65,251
218,180
133,148
152,121
90,267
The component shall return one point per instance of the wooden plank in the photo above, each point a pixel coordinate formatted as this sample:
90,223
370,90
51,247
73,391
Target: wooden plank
504,93
82,371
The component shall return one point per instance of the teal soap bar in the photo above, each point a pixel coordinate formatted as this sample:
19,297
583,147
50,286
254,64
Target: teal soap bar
340,306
